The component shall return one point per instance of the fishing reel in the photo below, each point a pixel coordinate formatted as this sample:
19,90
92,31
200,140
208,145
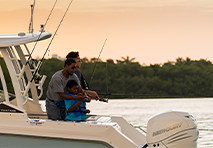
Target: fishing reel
86,99
104,97
31,62
37,78
103,100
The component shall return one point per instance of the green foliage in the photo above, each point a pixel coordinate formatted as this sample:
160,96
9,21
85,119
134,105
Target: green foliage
6,76
182,78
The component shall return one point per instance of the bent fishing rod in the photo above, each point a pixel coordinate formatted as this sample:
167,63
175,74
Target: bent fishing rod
96,63
42,29
39,64
102,99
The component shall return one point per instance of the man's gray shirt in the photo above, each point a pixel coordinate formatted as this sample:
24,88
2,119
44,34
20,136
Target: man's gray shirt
58,84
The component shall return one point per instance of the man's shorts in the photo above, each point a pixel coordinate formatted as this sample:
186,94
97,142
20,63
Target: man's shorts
53,112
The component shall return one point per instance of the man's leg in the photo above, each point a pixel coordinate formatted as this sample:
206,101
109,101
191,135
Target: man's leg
53,112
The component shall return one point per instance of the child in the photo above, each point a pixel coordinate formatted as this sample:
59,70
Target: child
76,110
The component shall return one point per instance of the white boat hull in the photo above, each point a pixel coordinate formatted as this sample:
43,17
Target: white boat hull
113,131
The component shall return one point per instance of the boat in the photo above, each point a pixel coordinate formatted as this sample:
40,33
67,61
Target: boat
23,115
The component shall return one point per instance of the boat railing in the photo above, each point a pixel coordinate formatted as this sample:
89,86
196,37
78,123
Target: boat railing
21,69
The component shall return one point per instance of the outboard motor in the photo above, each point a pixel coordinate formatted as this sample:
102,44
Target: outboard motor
172,129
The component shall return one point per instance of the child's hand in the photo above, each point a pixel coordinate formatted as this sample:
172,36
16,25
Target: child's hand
81,97
87,111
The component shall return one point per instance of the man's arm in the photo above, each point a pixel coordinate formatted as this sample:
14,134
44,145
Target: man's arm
67,97
92,94
80,90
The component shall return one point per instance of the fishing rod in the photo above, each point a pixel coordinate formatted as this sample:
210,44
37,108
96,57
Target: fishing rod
51,41
104,97
106,79
39,64
133,95
96,63
42,30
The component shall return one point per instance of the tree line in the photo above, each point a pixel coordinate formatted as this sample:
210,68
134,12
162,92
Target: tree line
126,78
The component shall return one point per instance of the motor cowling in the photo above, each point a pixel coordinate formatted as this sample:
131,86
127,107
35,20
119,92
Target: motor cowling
172,129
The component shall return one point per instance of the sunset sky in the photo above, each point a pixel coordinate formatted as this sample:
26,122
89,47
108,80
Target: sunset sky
152,31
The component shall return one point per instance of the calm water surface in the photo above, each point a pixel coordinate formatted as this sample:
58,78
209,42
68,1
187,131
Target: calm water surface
138,112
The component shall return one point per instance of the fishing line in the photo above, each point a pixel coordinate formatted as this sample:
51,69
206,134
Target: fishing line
97,63
106,80
42,29
50,42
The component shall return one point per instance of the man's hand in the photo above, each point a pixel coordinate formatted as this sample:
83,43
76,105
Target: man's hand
89,99
92,95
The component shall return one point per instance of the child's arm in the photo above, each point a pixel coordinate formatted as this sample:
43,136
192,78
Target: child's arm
72,108
68,97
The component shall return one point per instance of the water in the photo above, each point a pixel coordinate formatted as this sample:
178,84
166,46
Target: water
138,112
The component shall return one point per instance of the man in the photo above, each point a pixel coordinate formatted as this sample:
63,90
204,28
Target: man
83,81
56,92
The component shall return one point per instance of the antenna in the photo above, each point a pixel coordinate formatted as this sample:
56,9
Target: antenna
42,30
31,19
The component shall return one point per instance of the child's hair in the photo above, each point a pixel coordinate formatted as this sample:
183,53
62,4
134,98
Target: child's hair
71,83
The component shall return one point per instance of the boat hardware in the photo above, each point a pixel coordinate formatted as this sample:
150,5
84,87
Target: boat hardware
42,30
40,62
31,19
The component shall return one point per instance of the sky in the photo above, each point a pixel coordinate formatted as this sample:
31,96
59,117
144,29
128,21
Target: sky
151,31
